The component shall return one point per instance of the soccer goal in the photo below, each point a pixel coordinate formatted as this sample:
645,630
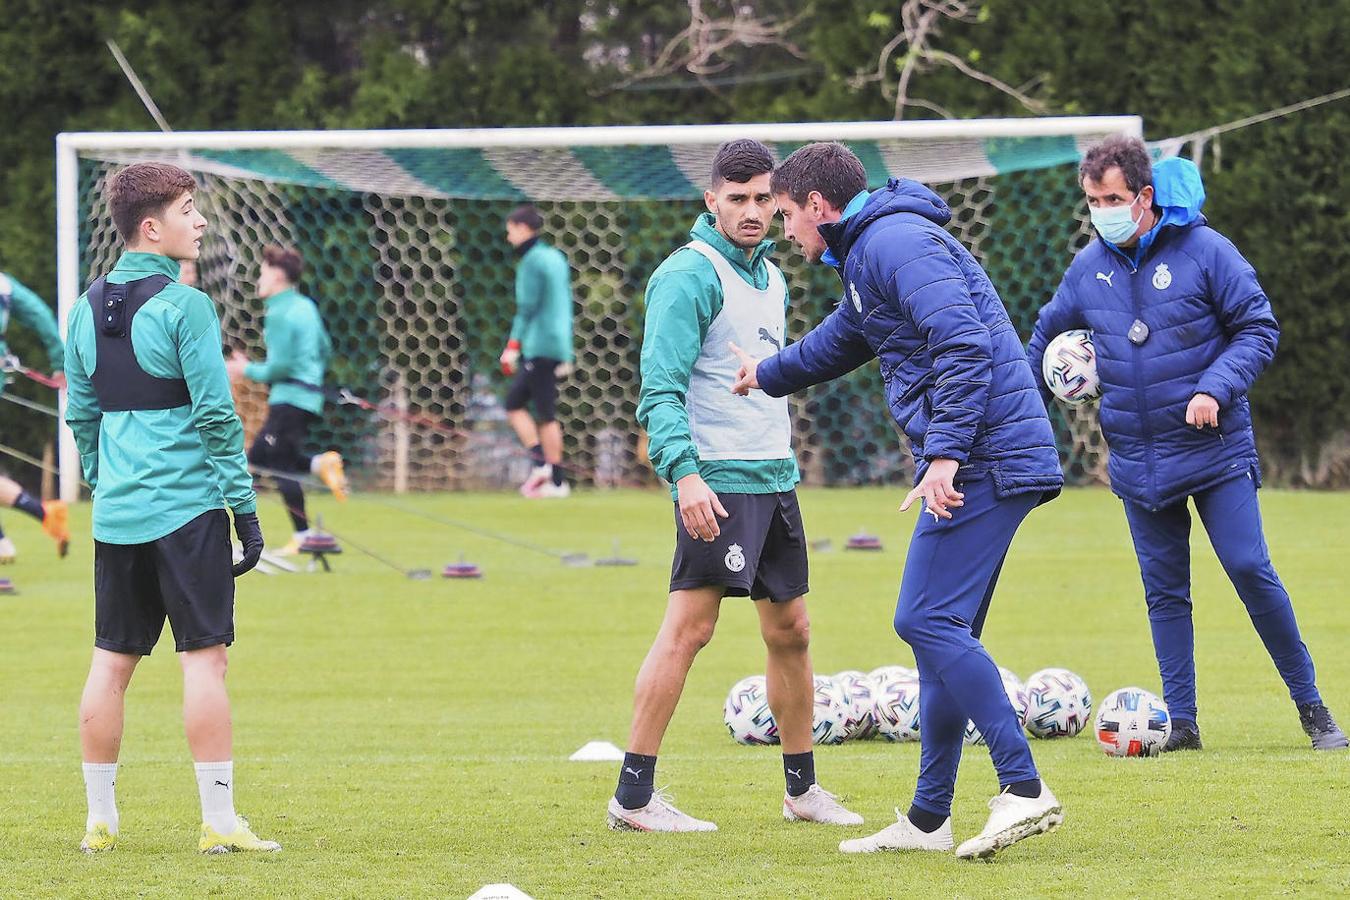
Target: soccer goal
403,239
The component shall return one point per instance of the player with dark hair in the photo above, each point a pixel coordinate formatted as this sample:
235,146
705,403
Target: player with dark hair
1182,329
163,450
726,458
958,385
539,351
298,349
16,300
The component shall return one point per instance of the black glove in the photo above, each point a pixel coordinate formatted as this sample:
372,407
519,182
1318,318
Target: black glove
249,532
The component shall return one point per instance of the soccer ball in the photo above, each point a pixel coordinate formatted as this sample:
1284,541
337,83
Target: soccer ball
1132,722
880,673
861,696
1017,696
747,713
1069,368
897,707
1059,703
830,712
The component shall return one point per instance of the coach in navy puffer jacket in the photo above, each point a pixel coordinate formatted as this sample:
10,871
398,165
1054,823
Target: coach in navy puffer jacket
1181,329
956,377
958,384
1210,331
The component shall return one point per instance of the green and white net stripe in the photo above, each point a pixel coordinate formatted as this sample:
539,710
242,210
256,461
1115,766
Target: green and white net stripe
406,256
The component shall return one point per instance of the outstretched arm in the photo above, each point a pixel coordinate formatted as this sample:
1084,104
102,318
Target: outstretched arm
833,348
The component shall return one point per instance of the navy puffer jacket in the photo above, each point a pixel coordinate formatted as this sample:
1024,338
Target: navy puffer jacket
1210,330
957,379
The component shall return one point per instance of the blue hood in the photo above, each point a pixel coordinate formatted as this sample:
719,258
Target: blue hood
900,195
1178,190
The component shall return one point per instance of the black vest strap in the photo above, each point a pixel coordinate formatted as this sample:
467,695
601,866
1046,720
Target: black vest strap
119,381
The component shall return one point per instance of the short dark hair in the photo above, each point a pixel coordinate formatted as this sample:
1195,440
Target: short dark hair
145,189
828,167
1118,151
287,259
526,215
741,160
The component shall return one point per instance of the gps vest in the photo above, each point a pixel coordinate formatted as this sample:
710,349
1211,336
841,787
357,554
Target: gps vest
119,382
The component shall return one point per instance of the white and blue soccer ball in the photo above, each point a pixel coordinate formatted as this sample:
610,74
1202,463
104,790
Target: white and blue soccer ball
1059,703
830,712
896,707
861,695
747,714
1069,367
1133,722
1017,696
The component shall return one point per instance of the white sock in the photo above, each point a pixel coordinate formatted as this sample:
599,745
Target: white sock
99,781
215,784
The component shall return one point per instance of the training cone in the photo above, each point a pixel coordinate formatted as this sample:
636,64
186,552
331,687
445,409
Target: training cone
7,587
461,569
863,541
320,544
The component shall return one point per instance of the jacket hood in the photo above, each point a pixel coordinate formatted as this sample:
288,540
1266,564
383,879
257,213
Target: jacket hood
1178,190
900,195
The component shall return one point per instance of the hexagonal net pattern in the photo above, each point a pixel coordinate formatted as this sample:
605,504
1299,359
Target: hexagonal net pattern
415,283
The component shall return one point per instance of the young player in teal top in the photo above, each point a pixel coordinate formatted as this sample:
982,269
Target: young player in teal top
163,451
539,350
298,348
17,301
727,458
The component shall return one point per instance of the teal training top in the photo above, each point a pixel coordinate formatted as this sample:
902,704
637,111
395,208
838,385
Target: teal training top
17,301
153,471
543,322
684,296
298,348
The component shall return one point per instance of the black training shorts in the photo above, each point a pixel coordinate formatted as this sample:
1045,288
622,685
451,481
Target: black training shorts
280,443
761,552
536,381
184,576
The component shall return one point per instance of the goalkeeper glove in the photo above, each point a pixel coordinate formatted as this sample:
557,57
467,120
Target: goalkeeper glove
249,532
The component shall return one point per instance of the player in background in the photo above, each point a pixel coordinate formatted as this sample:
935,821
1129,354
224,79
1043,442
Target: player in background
298,348
958,384
16,300
1182,329
163,451
539,351
726,458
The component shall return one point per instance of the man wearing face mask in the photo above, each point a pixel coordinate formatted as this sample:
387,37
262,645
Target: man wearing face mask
1181,329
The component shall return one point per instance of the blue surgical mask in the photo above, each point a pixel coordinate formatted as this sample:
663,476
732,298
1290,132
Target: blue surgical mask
1115,223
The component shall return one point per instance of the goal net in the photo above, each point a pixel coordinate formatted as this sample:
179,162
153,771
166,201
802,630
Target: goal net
402,233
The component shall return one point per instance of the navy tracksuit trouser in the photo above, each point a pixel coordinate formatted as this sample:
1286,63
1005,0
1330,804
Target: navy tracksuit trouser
1232,518
950,575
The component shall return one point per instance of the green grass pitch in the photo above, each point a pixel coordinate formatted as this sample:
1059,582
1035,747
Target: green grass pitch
410,738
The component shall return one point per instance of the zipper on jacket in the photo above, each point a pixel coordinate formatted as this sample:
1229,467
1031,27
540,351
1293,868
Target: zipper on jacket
1140,392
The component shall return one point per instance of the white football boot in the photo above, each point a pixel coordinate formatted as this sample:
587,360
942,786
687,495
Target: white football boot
902,836
1012,819
658,815
538,477
8,553
818,805
550,491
